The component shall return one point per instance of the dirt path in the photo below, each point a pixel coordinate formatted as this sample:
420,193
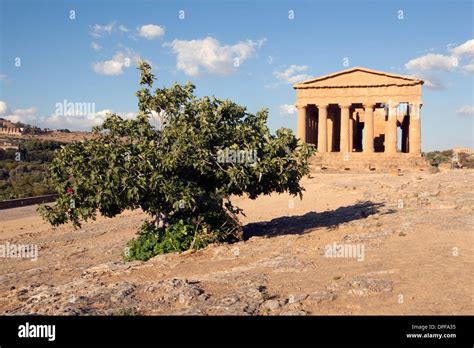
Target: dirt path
408,239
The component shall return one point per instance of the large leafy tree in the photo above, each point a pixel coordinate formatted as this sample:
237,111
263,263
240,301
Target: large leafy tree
182,172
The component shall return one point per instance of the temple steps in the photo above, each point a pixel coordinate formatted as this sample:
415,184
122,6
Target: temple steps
360,162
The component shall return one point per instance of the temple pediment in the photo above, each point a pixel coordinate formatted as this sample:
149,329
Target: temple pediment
358,77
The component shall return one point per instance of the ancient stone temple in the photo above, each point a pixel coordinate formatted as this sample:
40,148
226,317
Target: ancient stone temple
361,118
6,127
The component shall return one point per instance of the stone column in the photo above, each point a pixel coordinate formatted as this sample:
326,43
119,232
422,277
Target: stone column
301,128
391,130
322,128
355,130
368,128
344,144
330,127
414,130
351,133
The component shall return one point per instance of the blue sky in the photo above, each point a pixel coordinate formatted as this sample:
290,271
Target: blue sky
91,58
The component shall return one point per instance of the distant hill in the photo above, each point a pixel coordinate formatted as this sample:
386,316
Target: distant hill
6,123
28,131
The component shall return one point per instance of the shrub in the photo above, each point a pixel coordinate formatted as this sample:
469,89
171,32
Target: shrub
174,172
152,241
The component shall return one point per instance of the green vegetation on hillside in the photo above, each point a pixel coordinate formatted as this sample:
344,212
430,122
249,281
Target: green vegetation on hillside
461,160
24,171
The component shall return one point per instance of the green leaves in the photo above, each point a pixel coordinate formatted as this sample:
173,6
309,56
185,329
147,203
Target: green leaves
146,77
175,171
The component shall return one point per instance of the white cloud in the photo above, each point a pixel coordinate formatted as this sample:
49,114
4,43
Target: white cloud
430,66
95,46
291,75
433,62
3,108
98,30
433,83
18,115
469,68
151,31
287,109
208,54
466,110
22,115
82,121
123,28
116,65
465,49
25,112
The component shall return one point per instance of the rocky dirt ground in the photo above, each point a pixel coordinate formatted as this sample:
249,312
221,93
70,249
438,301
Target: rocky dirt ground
416,231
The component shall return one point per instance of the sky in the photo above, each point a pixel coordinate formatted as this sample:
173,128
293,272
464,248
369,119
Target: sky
58,52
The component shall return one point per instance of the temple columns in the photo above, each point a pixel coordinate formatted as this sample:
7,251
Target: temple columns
344,138
329,132
414,130
322,128
351,133
301,127
391,130
306,129
368,146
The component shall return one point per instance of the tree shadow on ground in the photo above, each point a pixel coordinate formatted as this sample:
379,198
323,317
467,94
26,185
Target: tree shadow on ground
305,223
